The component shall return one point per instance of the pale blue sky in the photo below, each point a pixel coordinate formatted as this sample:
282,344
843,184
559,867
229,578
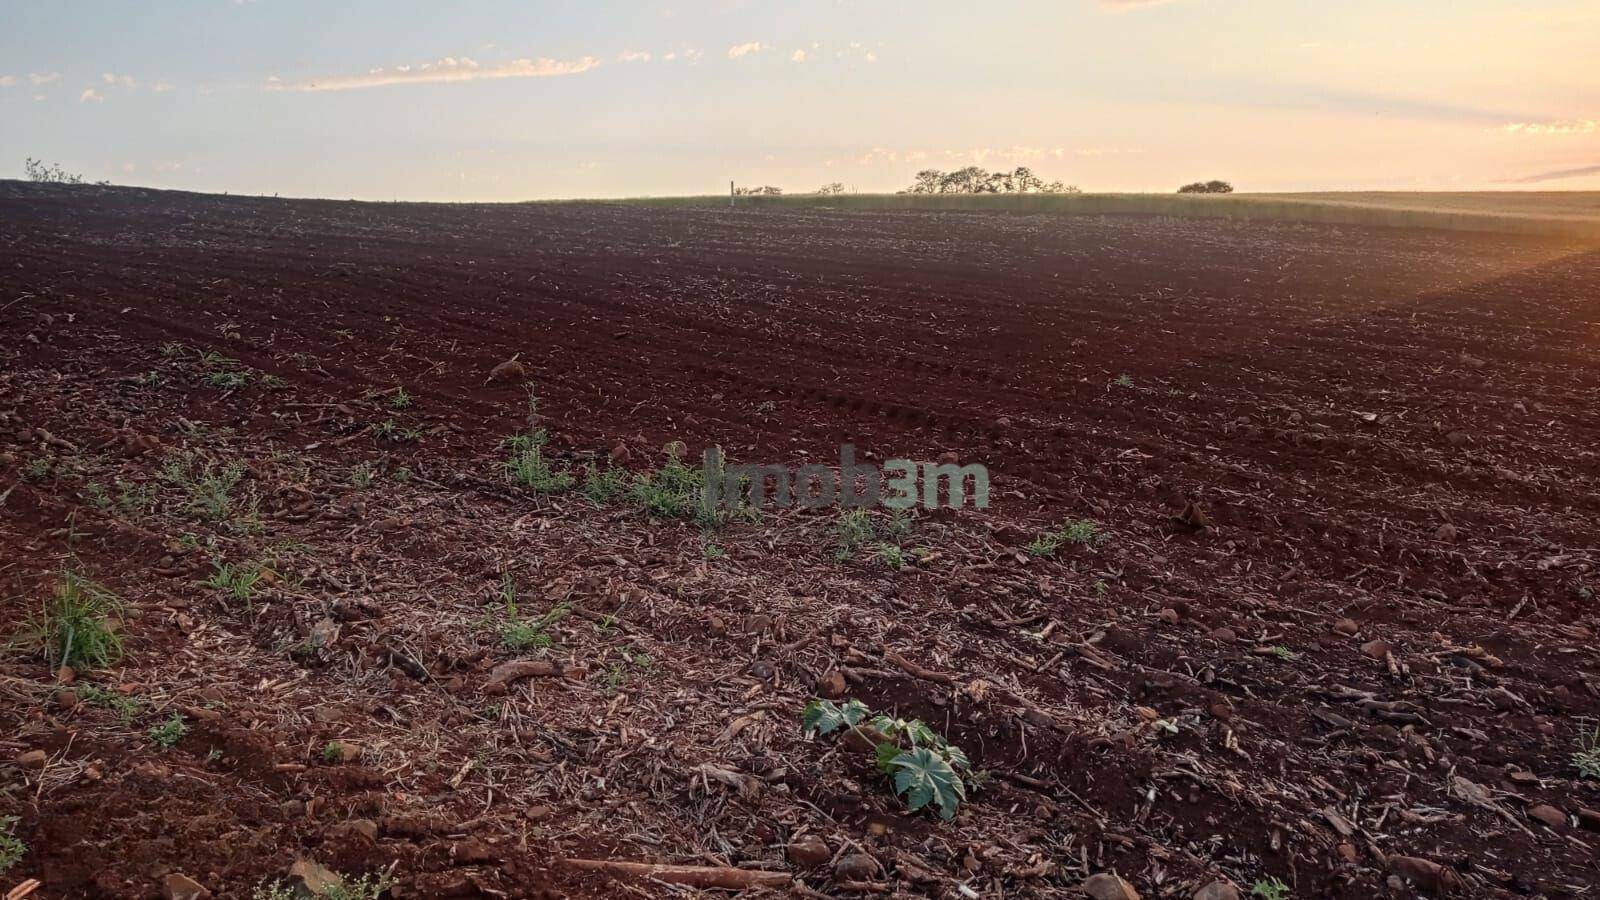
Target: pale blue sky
508,100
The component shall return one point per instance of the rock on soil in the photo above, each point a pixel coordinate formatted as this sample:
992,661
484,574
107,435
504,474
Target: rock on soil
1106,886
855,867
182,887
809,851
1217,890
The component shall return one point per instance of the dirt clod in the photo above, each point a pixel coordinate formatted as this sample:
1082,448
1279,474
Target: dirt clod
1549,815
1105,886
809,851
1217,890
855,867
181,887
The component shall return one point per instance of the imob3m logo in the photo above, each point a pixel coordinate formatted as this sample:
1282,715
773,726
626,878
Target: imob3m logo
897,484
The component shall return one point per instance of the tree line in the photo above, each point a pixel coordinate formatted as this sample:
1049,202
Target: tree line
977,180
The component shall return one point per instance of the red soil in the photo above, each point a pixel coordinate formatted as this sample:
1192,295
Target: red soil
1392,427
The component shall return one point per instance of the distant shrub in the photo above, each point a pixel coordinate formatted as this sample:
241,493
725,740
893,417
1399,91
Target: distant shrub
1206,187
49,173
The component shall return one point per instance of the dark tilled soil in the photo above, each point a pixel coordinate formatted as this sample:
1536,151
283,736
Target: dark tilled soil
1336,626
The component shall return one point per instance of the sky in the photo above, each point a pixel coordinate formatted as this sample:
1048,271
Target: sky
501,100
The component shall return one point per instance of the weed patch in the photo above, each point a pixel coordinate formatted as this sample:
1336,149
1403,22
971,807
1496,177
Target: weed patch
76,626
1081,531
923,768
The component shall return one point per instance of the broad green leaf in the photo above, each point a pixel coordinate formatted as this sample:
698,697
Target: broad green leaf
825,716
957,757
924,777
885,725
886,755
921,735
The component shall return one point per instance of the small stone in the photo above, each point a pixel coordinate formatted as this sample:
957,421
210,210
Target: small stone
1549,815
1170,616
1217,890
1379,650
313,878
66,698
1426,874
182,887
809,851
32,759
856,741
360,827
950,458
855,867
1224,635
620,454
1347,627
832,685
1589,818
1106,886
1221,710
472,852
1446,532
510,370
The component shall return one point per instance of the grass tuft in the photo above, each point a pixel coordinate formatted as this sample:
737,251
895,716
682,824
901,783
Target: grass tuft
76,626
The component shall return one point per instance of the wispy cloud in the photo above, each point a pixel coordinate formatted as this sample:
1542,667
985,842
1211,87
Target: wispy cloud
1556,175
745,49
449,70
1571,126
630,56
114,80
798,56
90,95
38,78
1125,5
1014,155
8,80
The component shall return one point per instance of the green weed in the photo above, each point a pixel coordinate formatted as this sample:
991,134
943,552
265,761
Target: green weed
674,491
526,465
1587,757
12,849
1080,531
238,582
853,531
604,485
169,733
75,628
1270,889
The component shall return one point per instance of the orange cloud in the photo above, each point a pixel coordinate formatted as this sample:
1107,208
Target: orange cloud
449,70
